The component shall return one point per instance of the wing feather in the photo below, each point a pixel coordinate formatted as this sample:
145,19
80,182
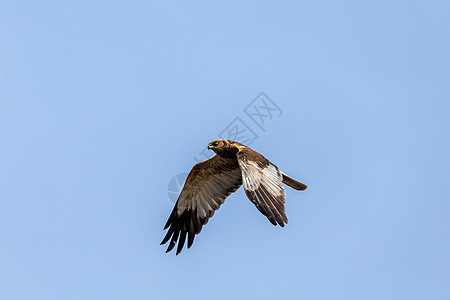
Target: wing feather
207,186
263,185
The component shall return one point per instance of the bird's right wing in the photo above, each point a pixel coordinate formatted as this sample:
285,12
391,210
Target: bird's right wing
263,185
206,187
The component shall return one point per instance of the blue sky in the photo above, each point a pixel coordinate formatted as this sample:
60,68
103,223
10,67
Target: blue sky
103,103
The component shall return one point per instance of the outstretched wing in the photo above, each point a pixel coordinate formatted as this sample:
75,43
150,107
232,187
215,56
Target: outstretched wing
263,185
207,186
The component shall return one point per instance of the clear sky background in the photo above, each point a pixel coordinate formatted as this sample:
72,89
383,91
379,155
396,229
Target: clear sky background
102,103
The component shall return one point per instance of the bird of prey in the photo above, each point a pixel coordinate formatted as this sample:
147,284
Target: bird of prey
213,180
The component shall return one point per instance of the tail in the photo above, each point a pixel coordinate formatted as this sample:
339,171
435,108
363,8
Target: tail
294,183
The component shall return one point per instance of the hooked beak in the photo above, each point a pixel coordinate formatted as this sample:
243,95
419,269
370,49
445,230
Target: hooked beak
209,147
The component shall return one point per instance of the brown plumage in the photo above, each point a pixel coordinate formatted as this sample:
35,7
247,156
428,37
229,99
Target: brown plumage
210,182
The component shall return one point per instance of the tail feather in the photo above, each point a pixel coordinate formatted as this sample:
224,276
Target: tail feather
294,183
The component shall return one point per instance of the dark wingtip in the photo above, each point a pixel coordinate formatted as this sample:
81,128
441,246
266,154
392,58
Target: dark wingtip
181,241
274,223
168,236
171,245
191,236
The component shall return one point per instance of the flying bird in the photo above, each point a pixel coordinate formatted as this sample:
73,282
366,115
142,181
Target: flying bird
210,182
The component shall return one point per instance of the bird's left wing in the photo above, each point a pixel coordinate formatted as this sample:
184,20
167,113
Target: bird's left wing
206,187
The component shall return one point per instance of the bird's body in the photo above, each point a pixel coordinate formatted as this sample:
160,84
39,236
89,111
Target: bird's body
210,182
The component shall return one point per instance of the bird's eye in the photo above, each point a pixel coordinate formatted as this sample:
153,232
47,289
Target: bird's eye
215,143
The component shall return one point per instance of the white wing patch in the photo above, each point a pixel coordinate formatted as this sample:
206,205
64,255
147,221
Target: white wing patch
264,188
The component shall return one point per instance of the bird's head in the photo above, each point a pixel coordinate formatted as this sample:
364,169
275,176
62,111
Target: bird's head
218,145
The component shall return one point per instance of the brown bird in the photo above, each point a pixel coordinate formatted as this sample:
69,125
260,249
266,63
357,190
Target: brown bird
213,180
